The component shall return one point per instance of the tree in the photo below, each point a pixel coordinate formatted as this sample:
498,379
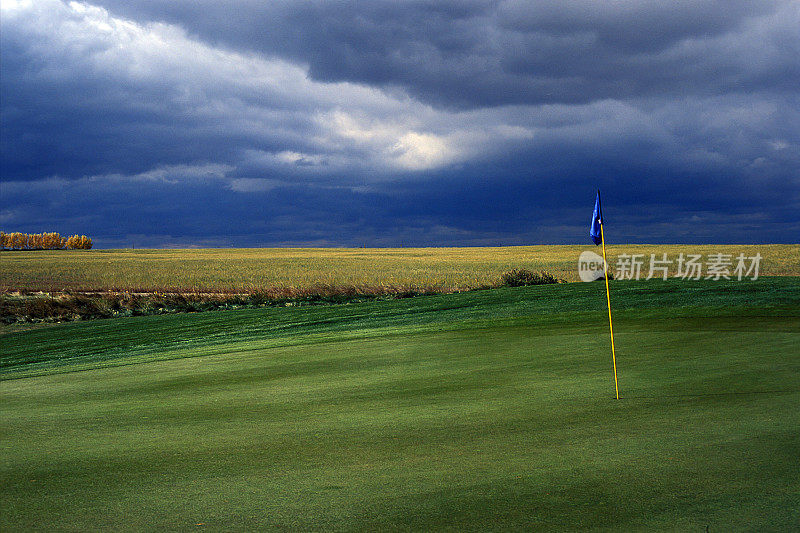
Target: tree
43,241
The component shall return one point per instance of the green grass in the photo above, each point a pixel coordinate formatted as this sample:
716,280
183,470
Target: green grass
298,269
482,410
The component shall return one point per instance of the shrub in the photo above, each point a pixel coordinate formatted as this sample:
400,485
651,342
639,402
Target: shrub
520,277
602,277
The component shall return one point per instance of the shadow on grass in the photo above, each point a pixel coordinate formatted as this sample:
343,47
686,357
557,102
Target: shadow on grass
708,394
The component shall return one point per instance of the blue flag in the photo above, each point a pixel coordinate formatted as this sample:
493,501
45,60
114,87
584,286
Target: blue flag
594,230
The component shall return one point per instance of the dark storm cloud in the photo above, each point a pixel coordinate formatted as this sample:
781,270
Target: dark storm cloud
80,99
523,52
472,208
384,123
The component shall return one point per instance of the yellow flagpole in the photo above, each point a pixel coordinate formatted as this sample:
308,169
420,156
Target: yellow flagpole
608,299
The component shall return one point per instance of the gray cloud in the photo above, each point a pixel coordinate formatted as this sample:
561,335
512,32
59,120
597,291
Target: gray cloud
472,54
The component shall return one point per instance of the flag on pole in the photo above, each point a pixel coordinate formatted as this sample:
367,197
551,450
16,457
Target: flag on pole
594,229
596,233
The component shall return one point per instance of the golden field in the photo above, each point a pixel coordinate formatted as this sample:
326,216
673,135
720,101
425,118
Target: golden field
299,269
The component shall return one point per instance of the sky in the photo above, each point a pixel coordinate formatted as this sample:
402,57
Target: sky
400,123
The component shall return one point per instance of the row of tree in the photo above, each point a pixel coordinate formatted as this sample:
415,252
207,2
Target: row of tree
43,241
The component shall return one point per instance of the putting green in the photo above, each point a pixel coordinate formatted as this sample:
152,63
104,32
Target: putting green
490,410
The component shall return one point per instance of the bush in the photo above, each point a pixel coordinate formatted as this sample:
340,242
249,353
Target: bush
602,277
520,277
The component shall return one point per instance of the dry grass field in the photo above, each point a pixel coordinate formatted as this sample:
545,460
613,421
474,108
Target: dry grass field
253,270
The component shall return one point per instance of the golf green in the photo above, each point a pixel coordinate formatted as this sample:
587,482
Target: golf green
475,411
